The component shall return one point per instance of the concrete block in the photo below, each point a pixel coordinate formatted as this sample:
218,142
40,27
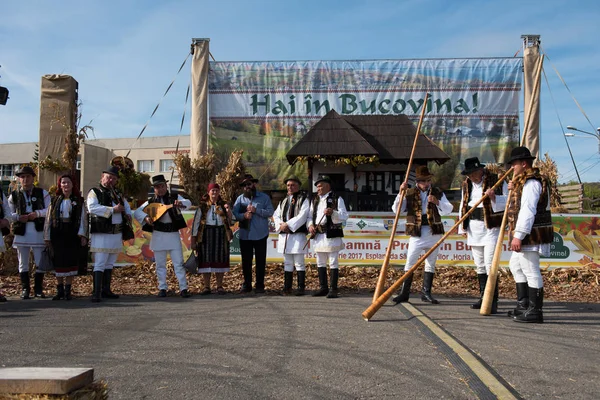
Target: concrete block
44,380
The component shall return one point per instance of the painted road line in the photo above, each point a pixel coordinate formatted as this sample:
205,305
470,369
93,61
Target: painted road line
480,377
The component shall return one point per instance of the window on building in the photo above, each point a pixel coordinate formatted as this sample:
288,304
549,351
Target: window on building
145,165
167,166
376,181
397,179
7,170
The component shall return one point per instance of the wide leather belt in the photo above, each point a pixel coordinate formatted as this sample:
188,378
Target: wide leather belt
477,214
163,227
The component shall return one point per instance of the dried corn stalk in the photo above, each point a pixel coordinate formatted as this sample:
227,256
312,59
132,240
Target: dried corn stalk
196,174
230,177
548,168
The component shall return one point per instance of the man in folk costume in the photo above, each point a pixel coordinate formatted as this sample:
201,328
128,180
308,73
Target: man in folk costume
253,209
325,224
424,206
482,227
290,221
5,214
165,234
28,208
108,211
530,234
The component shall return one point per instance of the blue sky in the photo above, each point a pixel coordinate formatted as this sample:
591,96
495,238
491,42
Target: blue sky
125,53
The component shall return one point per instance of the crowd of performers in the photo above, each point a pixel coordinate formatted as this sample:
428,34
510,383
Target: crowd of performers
63,225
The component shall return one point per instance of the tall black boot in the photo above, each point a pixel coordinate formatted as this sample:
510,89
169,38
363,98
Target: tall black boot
25,293
288,277
68,292
426,291
322,282
333,292
494,309
404,291
38,285
522,300
106,293
97,294
482,278
301,283
534,313
60,292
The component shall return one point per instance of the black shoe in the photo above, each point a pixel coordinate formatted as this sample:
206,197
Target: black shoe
97,290
25,294
60,292
405,291
482,278
68,292
2,298
426,291
38,285
324,288
301,283
185,294
162,293
534,313
106,280
259,290
333,291
246,288
522,300
333,294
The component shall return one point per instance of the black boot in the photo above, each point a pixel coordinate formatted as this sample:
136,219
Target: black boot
482,278
494,309
38,285
288,277
426,291
322,282
60,292
68,292
405,291
97,294
534,313
522,300
301,283
106,293
25,285
333,292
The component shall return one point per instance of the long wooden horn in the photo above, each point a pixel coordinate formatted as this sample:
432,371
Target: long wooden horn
388,253
373,308
490,286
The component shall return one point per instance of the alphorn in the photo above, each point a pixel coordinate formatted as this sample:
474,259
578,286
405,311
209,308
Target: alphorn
388,253
490,286
373,308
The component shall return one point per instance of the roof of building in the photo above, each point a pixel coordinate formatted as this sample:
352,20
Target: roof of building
390,137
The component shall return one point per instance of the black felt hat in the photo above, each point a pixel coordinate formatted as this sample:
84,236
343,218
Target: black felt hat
112,170
520,153
292,178
25,170
158,179
323,178
472,165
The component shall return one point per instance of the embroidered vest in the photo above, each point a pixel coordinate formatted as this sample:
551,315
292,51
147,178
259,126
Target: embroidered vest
37,204
414,213
220,209
331,230
177,220
56,220
542,230
492,219
100,224
297,202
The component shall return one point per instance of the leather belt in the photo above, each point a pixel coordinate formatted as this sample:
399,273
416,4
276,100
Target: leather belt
163,227
321,228
477,214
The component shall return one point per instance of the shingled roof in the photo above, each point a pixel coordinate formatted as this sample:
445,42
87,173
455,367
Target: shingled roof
390,137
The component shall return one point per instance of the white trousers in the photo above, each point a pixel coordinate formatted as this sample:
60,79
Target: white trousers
293,260
104,261
332,257
525,267
160,256
23,255
483,257
415,251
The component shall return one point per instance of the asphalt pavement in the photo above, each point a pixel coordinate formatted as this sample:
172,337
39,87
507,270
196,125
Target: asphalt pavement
274,347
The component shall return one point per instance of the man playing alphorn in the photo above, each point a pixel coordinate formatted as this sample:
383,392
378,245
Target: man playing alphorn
165,234
482,227
290,221
424,206
530,234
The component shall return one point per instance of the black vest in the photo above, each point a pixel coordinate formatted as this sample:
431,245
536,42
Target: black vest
37,204
100,224
331,230
178,222
297,202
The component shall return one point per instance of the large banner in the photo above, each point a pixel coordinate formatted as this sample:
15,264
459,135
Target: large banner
266,107
576,243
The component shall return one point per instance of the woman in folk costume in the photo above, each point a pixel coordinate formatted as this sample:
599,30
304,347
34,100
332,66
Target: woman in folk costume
424,206
482,227
4,228
65,233
290,221
530,234
211,234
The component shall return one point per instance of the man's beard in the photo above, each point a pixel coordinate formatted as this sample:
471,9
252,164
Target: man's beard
250,193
